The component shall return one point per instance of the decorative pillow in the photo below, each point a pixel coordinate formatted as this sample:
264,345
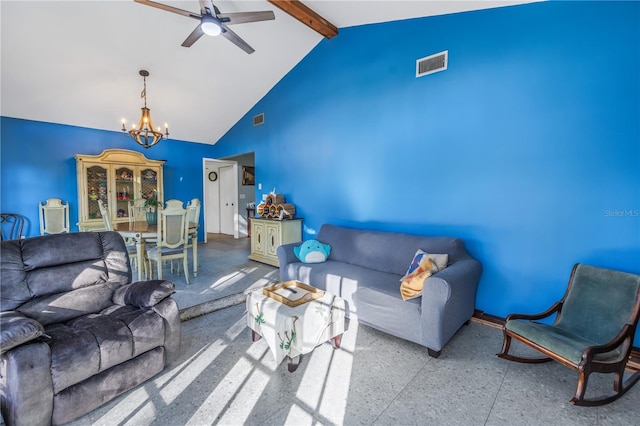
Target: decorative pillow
411,287
312,251
439,261
16,329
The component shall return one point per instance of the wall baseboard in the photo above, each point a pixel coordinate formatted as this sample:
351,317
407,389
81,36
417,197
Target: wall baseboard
494,321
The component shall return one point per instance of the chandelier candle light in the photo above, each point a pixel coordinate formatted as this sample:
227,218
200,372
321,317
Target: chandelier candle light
143,133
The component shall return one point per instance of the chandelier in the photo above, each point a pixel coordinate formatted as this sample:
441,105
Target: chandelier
143,133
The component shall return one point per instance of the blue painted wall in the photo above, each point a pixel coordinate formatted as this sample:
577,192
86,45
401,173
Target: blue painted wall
37,162
527,147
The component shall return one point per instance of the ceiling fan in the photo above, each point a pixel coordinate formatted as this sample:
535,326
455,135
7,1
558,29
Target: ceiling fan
214,23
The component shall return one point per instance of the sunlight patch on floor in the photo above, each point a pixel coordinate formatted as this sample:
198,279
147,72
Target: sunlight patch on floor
124,412
223,399
312,393
228,279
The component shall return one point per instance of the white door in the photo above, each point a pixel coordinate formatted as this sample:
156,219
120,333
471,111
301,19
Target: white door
227,200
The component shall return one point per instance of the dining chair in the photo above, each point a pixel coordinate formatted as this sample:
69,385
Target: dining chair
11,225
132,249
173,203
193,216
173,233
54,217
137,210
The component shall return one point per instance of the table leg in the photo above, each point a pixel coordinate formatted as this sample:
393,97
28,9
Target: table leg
194,241
294,363
336,341
255,336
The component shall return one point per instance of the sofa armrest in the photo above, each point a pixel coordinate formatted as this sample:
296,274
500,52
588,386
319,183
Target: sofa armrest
16,329
448,300
143,294
286,256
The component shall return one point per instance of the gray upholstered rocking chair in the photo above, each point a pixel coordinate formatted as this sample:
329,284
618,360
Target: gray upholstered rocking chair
592,332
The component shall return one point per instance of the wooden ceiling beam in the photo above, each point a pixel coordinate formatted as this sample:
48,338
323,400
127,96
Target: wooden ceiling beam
307,16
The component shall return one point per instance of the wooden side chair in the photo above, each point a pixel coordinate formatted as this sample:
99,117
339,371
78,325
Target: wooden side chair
173,233
592,332
54,217
137,210
132,249
11,225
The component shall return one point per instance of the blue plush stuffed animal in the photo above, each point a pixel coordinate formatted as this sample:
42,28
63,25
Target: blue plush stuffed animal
312,251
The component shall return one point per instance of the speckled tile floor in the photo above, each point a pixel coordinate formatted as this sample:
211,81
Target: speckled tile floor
223,377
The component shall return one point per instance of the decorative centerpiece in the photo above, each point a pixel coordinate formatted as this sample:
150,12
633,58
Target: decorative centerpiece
152,210
274,207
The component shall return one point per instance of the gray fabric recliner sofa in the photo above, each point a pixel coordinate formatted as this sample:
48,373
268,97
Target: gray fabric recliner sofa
365,268
75,332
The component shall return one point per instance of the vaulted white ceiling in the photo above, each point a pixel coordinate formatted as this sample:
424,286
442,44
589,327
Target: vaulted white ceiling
77,62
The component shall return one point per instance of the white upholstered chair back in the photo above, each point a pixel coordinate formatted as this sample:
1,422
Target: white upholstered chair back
54,217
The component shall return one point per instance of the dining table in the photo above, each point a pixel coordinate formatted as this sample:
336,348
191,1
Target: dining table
141,232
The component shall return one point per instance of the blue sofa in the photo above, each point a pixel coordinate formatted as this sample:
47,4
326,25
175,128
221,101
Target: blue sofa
365,268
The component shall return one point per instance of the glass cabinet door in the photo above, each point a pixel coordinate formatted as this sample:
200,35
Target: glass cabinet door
96,190
149,183
124,191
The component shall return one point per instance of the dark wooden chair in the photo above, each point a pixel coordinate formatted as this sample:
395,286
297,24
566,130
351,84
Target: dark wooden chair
592,332
11,226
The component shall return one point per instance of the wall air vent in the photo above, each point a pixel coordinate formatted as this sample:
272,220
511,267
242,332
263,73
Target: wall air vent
431,64
258,119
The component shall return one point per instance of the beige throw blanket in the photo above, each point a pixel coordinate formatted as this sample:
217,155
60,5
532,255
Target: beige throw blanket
412,284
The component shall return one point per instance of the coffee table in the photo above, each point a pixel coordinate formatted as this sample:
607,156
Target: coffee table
291,331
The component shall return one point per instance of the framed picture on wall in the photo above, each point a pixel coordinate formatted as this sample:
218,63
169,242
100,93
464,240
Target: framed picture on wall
248,175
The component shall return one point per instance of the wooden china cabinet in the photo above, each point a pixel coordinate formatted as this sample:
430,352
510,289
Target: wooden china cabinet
116,177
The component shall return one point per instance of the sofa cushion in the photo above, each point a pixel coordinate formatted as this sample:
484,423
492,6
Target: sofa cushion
61,307
37,270
380,305
16,329
344,280
145,325
94,343
75,355
384,251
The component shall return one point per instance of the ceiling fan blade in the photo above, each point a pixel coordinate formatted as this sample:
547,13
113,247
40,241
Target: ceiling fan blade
244,17
235,39
193,37
170,9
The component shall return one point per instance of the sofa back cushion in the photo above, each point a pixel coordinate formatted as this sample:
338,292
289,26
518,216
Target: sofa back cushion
390,252
55,278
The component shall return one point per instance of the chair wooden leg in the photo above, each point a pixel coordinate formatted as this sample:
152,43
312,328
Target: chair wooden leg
185,266
622,389
583,379
506,344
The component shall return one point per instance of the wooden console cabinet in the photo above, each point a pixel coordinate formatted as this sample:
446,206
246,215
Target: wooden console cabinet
116,177
268,234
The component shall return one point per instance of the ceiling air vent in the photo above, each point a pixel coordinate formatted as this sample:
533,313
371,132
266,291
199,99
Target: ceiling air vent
431,64
258,119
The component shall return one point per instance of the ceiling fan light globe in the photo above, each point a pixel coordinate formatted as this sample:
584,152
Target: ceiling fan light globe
210,27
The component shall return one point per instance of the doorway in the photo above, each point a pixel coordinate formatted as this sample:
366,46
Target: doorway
220,197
